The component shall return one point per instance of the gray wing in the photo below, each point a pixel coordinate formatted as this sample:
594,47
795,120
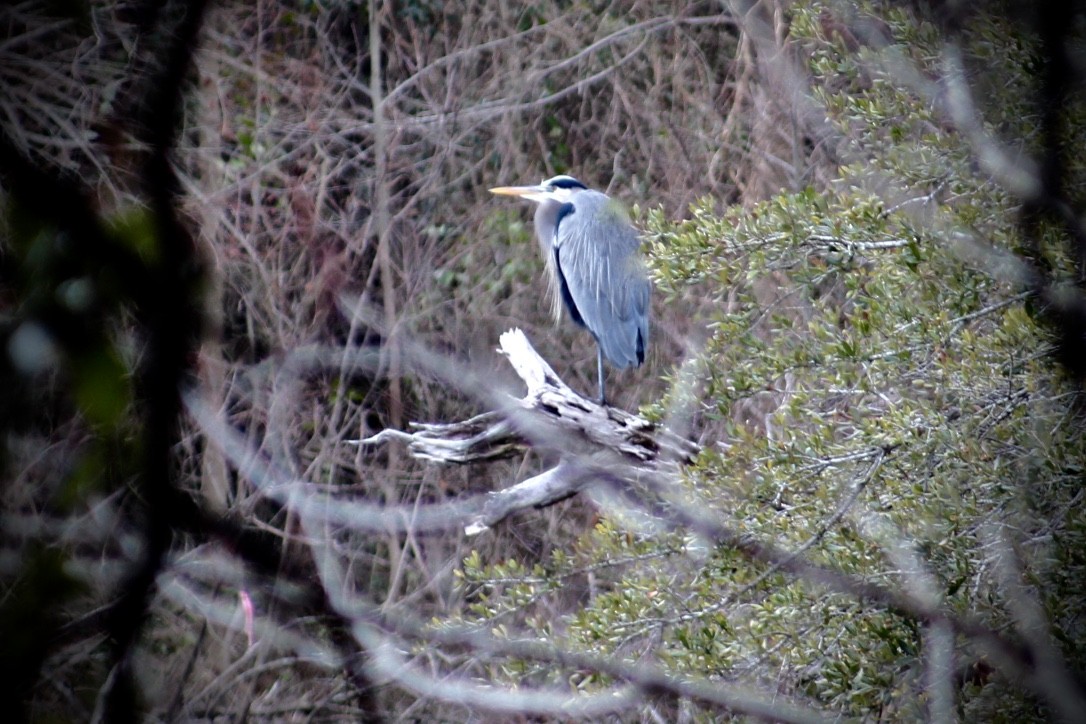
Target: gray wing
596,256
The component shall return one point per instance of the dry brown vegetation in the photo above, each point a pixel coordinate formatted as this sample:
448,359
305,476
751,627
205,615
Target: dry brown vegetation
338,200
331,161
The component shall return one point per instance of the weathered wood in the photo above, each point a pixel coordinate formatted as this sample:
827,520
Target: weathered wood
547,488
607,427
484,437
551,418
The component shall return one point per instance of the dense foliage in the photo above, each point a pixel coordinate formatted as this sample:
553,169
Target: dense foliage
873,393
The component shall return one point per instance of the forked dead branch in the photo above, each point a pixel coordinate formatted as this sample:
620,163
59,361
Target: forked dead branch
591,441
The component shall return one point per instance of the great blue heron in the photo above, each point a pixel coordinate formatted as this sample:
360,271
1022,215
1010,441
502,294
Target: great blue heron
591,252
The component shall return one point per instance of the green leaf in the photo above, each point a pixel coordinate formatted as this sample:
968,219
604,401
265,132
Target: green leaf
102,386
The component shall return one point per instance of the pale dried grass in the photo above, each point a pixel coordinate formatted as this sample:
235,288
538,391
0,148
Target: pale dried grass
304,197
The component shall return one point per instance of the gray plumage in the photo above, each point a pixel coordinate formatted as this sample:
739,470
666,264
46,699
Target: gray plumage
591,251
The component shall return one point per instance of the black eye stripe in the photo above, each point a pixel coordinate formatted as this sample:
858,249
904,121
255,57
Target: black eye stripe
565,182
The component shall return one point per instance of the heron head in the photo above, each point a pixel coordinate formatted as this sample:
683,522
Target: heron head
558,188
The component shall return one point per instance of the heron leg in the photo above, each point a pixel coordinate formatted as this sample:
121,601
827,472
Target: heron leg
599,370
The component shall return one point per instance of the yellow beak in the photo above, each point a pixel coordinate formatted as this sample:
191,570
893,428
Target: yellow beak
517,190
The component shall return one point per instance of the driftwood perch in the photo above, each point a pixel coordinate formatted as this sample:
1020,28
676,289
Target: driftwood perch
591,440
